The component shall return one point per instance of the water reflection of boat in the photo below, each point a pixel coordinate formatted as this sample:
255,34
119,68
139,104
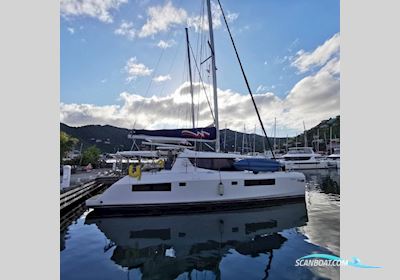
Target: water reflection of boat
327,180
323,202
164,247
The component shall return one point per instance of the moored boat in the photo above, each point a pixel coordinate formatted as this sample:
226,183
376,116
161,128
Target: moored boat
303,158
197,180
201,180
333,160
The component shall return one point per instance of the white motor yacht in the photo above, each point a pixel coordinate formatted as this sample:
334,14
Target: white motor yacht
333,160
303,158
199,179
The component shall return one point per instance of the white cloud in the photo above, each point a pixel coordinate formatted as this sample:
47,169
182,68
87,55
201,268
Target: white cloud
81,114
135,69
315,97
162,18
126,29
201,23
261,88
293,44
166,44
99,9
162,78
281,60
230,17
312,99
305,61
243,29
332,66
71,30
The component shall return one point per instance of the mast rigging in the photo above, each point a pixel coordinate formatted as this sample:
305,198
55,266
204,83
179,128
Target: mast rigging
244,75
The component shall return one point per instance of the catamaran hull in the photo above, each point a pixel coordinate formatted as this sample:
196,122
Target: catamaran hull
208,192
192,207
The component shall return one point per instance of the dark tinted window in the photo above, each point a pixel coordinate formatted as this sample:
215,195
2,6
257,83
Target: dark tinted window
297,158
259,182
223,164
163,234
254,227
152,187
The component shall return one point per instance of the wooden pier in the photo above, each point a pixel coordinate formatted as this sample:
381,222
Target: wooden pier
73,197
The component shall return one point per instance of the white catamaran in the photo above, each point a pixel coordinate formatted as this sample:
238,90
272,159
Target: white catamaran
200,180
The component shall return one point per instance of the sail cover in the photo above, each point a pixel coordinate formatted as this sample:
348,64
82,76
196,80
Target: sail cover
198,134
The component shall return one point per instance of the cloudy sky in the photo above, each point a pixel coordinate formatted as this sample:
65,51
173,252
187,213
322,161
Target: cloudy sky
123,63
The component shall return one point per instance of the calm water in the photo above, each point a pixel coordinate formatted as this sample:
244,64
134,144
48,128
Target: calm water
252,244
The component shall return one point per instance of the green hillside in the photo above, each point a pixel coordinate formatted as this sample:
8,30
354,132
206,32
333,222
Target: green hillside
110,139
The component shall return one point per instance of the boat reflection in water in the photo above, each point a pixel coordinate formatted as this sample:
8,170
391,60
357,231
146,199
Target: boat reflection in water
326,181
323,203
164,247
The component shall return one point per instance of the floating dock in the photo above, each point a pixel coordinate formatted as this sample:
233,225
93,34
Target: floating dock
73,197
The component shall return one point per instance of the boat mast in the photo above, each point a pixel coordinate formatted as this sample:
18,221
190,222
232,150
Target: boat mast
214,75
305,135
254,140
225,137
287,142
275,135
190,75
330,140
235,140
243,138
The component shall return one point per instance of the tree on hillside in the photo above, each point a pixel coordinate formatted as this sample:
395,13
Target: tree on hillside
91,155
67,142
